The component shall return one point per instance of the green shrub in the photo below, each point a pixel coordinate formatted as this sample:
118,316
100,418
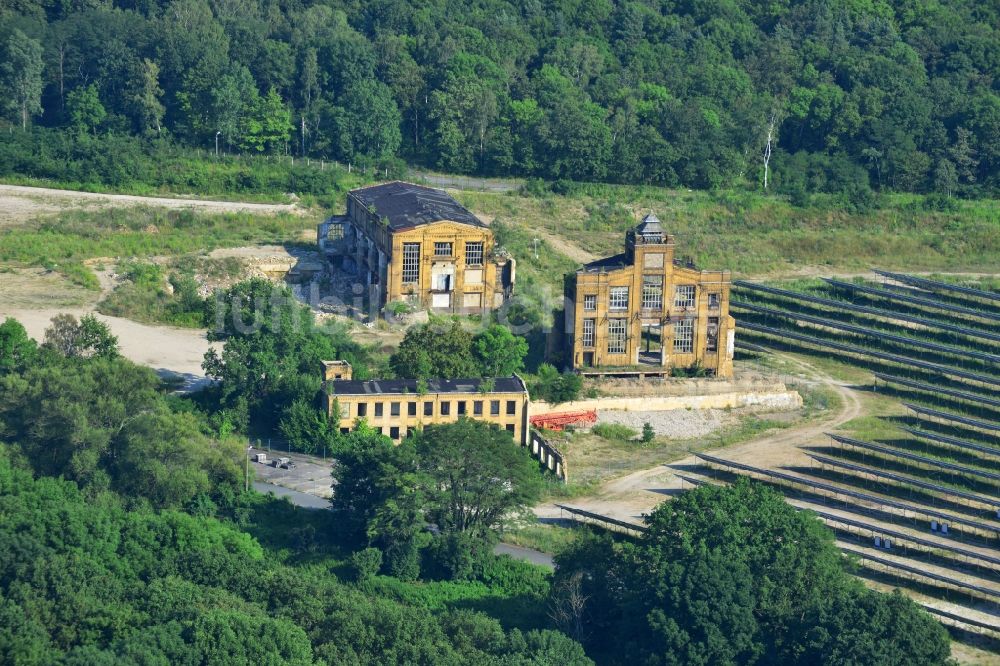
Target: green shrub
614,431
148,295
647,433
366,563
132,164
555,387
79,274
398,308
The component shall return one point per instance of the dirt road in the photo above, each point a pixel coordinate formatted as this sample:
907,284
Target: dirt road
629,497
171,352
19,203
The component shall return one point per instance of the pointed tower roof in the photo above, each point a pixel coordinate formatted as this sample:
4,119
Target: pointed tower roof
649,226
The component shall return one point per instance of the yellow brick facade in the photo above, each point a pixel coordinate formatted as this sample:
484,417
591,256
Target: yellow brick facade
644,312
396,408
453,281
337,370
418,245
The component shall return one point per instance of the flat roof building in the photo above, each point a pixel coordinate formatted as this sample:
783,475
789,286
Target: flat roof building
397,406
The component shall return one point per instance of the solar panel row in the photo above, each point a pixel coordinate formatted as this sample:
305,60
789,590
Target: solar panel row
924,460
870,332
916,300
956,418
938,285
871,353
873,499
974,333
931,388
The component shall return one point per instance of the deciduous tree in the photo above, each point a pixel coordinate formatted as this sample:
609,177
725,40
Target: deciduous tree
499,352
435,351
21,72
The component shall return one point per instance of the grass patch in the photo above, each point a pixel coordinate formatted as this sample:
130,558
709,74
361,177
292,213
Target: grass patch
546,538
67,160
592,459
76,272
153,296
69,238
747,428
614,431
755,234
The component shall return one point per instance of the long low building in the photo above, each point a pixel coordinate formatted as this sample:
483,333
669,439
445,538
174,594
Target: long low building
397,406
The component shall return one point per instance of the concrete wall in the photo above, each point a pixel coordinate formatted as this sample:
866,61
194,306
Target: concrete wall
549,456
766,401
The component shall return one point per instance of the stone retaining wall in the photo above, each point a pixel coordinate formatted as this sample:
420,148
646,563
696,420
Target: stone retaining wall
768,400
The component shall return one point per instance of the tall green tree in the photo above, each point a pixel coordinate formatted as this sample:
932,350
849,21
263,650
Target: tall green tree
81,339
499,352
466,109
234,101
21,73
376,493
435,351
17,350
475,478
147,96
368,121
268,126
85,109
734,575
272,354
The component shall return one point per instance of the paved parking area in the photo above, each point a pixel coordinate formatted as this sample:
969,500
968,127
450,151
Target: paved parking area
311,474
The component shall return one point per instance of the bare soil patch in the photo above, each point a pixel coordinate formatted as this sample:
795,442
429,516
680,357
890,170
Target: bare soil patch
19,203
28,288
673,424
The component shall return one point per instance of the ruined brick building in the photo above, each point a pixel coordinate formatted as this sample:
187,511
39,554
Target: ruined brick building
642,311
418,245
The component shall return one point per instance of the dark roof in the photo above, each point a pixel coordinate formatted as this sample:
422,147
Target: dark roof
649,225
606,264
406,205
409,386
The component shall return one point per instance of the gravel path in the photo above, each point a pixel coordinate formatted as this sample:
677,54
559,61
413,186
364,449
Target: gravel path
675,423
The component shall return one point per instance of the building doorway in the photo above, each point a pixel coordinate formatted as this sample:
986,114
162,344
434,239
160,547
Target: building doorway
651,345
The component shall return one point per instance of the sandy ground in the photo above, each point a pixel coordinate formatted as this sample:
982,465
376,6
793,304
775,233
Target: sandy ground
19,203
172,352
563,246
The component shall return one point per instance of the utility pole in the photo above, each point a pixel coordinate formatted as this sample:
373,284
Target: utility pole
303,133
246,483
217,142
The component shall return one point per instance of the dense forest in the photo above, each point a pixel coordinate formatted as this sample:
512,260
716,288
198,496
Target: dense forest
811,95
